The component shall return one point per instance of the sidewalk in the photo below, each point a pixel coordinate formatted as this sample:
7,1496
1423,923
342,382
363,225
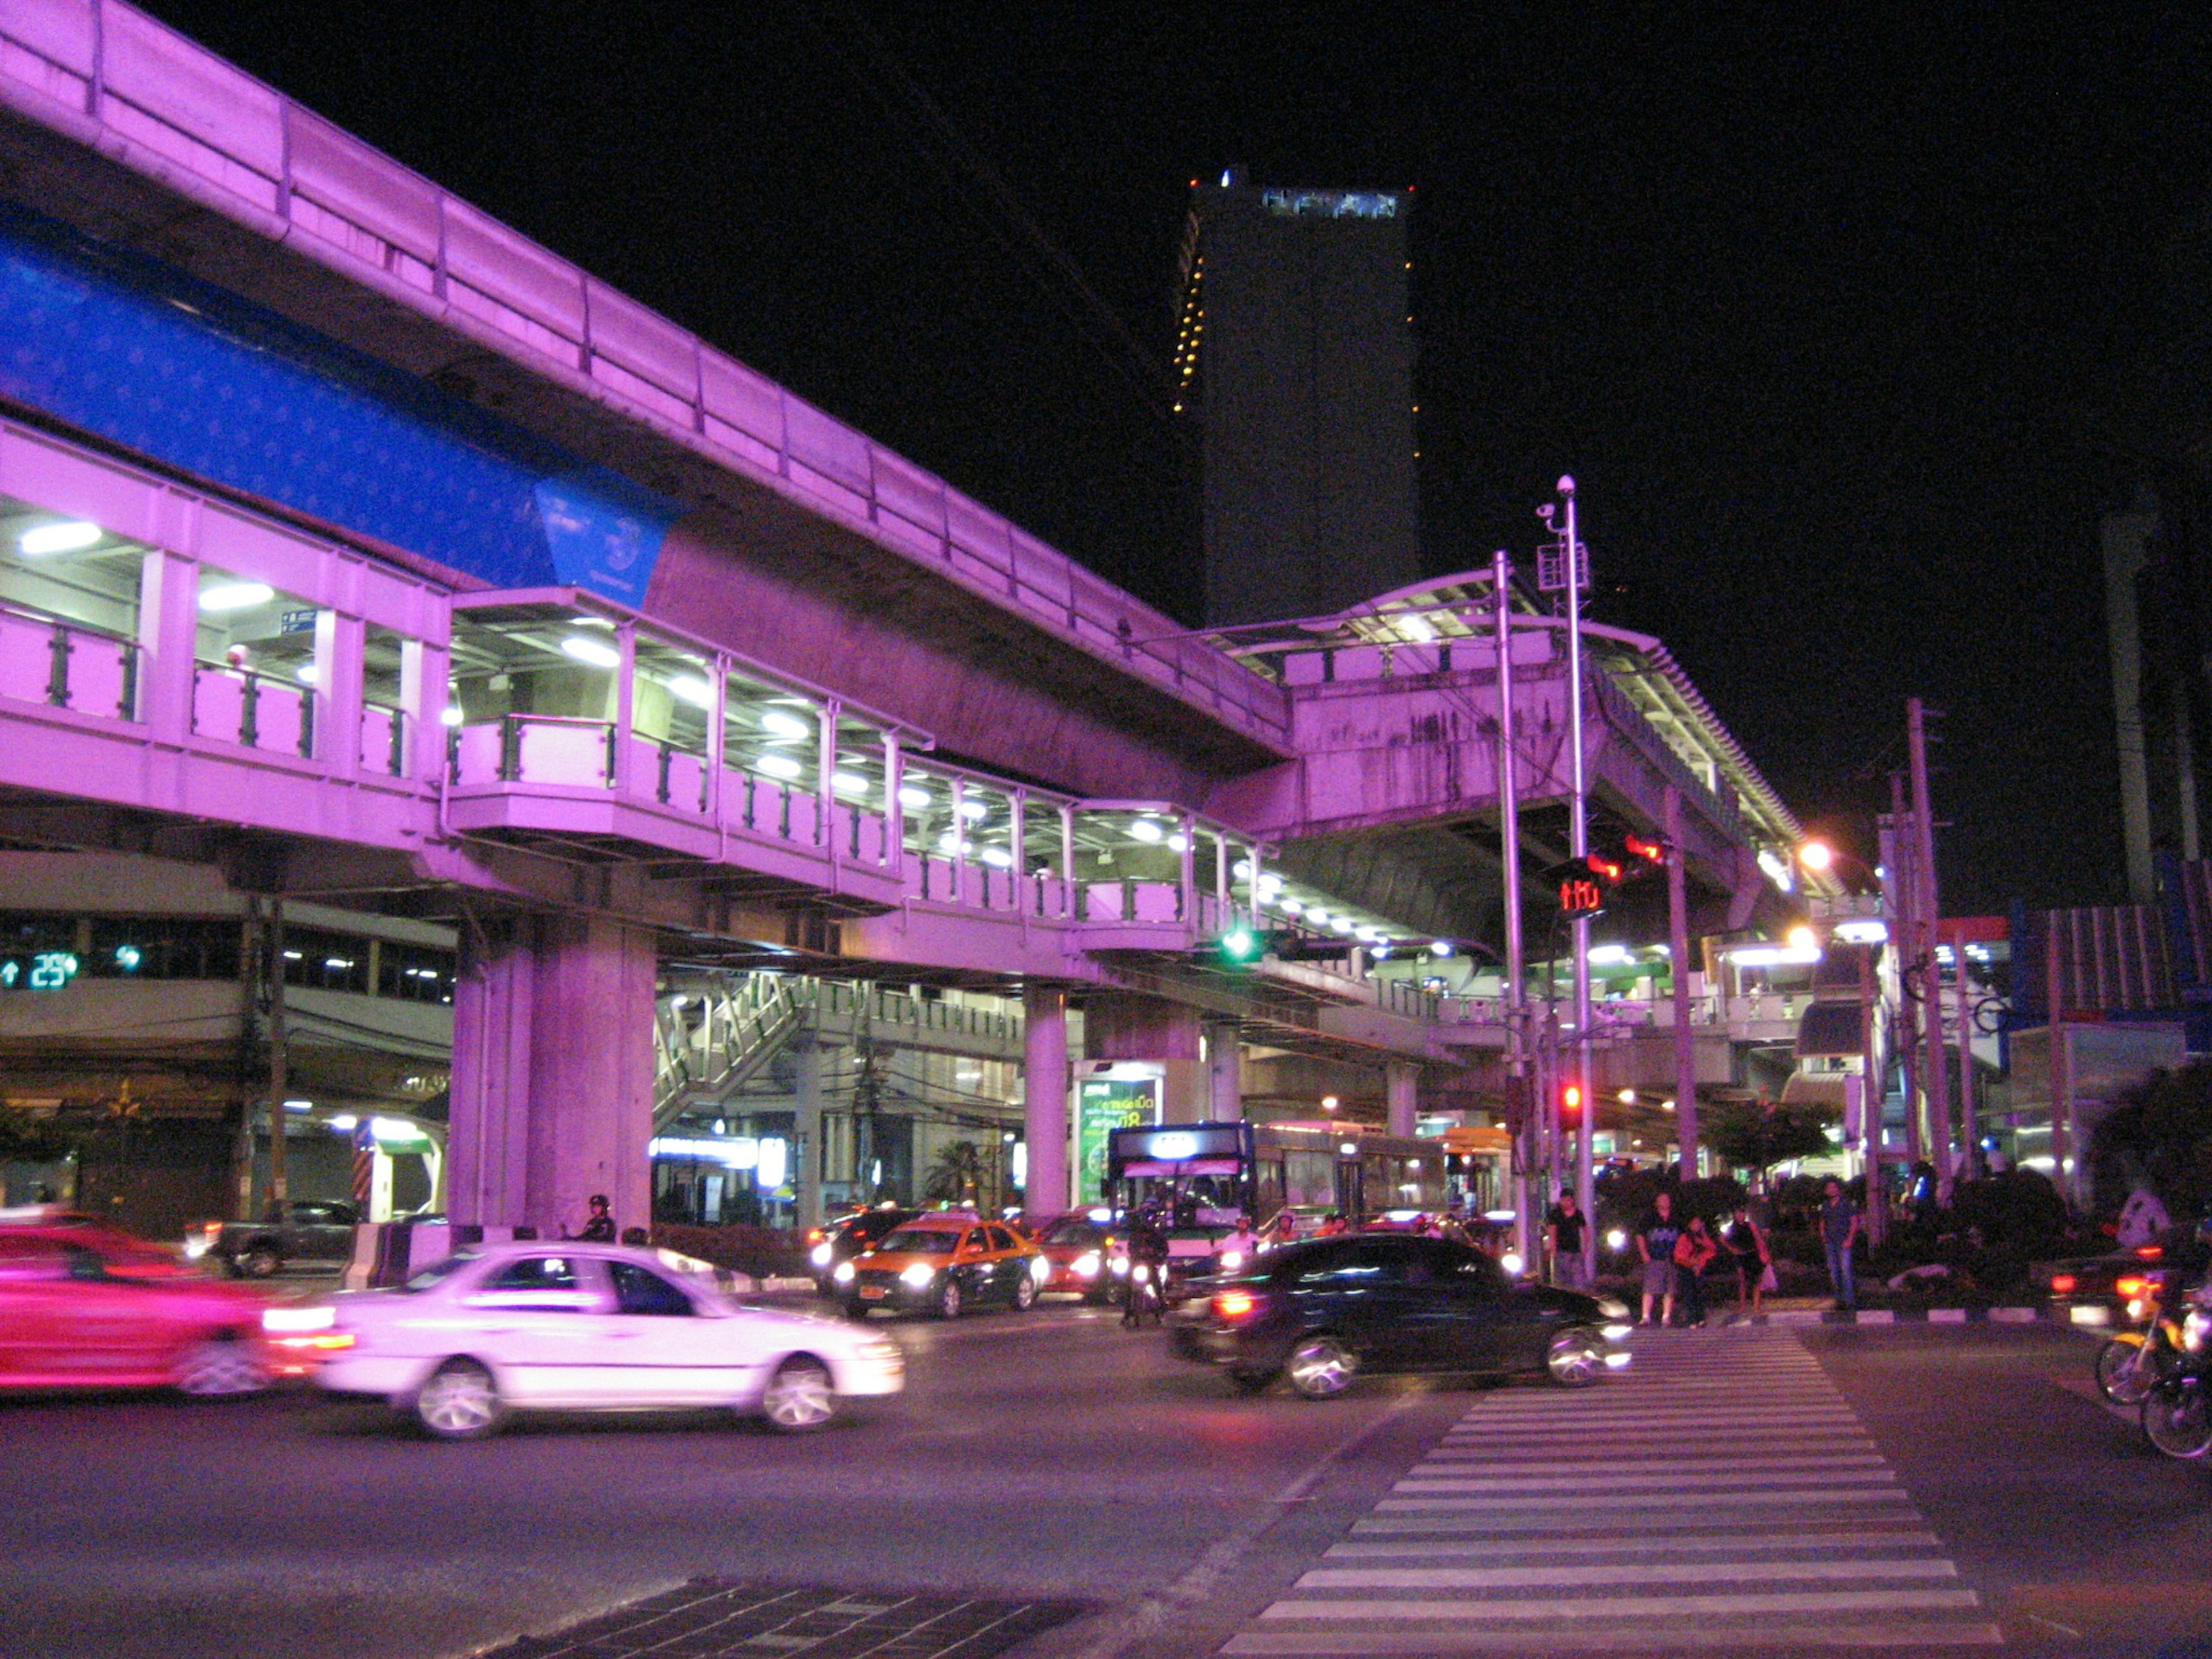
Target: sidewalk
1822,1310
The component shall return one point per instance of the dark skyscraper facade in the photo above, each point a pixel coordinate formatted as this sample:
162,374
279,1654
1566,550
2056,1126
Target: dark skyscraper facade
1294,352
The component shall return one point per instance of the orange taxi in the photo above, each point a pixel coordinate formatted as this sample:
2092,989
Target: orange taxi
944,1263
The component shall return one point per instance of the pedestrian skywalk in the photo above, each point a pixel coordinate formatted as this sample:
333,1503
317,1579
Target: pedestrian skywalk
1718,1495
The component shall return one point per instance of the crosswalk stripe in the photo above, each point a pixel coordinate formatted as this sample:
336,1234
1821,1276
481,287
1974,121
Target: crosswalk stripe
1714,1465
1762,1480
1650,1500
1629,1543
1634,1607
1588,1577
1442,1642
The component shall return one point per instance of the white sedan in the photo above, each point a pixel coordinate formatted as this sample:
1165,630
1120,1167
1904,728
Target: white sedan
580,1326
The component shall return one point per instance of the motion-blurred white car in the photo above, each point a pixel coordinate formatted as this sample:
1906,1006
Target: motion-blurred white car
575,1327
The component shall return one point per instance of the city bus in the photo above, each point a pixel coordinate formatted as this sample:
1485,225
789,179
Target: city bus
1207,1174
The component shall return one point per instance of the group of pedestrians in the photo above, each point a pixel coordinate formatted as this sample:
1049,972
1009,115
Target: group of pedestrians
1675,1254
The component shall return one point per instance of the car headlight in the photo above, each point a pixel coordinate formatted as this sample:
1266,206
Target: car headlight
1040,1269
820,1255
1120,1267
1231,1260
1511,1262
1087,1265
292,1322
844,1272
1617,1332
917,1275
2194,1329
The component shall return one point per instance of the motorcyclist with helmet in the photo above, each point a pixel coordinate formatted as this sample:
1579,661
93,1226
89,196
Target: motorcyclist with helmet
1148,1267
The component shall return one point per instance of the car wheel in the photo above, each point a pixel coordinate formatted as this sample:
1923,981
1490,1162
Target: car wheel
1250,1382
1575,1358
220,1368
262,1262
460,1402
1321,1367
1025,1292
801,1398
855,1309
948,1301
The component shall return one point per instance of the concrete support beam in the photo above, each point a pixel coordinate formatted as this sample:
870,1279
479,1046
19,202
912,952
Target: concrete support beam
1224,1072
1129,1025
1403,1083
806,1130
1044,1101
552,1089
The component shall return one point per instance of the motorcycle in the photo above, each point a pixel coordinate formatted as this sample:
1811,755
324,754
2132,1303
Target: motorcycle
2177,1412
2129,1363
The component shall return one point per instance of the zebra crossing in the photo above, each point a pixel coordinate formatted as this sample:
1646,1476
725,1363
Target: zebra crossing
1720,1494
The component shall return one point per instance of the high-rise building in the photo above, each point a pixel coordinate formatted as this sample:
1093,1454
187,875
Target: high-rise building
1294,353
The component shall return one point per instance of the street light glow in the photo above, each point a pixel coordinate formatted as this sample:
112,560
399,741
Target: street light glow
1816,855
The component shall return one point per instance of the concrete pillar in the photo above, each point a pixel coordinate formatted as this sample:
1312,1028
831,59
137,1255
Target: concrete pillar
806,1133
1402,1079
1044,1100
1224,1072
552,1082
1129,1025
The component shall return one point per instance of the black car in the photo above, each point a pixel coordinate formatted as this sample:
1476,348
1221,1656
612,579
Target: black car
1322,1311
845,1238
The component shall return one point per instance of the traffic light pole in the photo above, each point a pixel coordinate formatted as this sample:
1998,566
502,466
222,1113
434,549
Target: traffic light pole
1509,858
1585,1142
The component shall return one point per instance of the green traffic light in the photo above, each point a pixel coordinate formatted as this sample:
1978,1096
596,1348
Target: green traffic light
1240,945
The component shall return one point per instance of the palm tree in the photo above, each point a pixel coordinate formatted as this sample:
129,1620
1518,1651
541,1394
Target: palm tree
957,1175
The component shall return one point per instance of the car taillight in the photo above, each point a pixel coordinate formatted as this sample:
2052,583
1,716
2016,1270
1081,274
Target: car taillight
2151,1252
2062,1284
1234,1305
2131,1285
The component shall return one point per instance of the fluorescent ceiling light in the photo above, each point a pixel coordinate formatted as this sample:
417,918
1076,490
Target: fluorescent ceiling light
974,809
1179,842
596,652
307,673
778,766
235,596
848,783
64,538
913,799
1417,628
1291,907
1609,956
451,714
1145,830
997,857
785,724
692,690
1342,924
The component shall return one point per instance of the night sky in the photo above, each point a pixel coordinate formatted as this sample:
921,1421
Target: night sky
1827,309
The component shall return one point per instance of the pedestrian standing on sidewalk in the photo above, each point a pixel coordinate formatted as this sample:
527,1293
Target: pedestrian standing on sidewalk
1840,1231
600,1229
1746,1243
1694,1250
1655,1242
1563,1239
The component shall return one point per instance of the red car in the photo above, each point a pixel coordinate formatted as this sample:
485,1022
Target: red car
74,1314
1087,1260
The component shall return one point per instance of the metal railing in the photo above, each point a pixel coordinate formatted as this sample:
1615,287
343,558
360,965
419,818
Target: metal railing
272,713
182,115
40,662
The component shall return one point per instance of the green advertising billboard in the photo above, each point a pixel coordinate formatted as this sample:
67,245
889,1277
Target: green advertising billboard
1104,1104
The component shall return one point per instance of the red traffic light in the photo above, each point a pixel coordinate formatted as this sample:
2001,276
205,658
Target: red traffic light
1645,847
1570,1102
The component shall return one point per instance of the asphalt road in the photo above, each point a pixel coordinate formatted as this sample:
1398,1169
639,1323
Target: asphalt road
1050,1455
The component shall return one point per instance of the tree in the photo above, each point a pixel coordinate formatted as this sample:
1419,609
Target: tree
958,1176
1756,1137
2160,1133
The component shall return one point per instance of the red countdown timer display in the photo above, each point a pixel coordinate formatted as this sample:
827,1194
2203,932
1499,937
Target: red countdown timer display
1583,885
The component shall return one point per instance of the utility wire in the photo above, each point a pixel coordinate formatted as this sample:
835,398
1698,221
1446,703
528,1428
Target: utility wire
1000,211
